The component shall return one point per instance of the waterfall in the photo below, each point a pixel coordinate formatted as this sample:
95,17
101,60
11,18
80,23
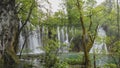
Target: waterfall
99,49
99,45
35,38
62,35
66,42
34,41
58,33
21,39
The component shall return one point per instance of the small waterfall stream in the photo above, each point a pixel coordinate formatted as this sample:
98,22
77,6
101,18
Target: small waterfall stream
63,38
33,43
99,45
99,49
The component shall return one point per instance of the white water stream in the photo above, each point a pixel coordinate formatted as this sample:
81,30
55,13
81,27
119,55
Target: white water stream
99,49
63,38
35,38
99,45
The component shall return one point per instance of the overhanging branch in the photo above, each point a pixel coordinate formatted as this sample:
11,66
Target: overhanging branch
28,17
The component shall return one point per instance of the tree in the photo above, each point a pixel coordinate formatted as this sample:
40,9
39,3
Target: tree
86,55
13,11
118,28
118,18
30,5
82,13
8,31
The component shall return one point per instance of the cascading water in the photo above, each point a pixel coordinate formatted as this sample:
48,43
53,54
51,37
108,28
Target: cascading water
21,39
62,35
66,42
100,46
33,43
99,49
36,36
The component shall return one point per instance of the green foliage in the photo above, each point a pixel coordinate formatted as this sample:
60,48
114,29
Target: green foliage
73,61
24,8
59,18
110,66
99,14
116,48
51,47
61,64
51,58
72,58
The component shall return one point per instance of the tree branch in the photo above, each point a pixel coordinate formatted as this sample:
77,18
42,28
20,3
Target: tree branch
28,17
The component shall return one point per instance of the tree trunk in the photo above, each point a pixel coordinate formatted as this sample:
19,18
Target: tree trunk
86,53
8,30
118,18
118,35
94,57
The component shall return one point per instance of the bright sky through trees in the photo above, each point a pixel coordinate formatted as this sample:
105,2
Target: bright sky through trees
55,4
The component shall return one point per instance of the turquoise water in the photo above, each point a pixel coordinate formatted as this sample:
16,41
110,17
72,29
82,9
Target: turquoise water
73,58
